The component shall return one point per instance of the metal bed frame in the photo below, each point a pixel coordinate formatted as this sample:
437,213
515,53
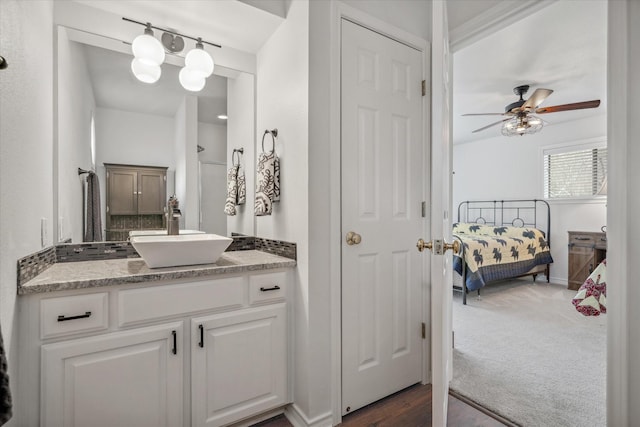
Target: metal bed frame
533,213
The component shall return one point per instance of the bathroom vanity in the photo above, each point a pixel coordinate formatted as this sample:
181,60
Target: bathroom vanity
112,342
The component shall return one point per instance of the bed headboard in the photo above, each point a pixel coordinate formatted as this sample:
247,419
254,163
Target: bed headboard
517,213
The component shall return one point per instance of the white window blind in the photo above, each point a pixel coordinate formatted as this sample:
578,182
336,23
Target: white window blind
574,174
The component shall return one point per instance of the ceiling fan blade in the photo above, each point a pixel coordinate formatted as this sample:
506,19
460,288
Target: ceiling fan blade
568,107
536,99
492,124
486,114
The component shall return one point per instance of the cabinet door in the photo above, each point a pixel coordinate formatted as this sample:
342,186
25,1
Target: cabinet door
130,378
151,192
581,264
238,365
122,192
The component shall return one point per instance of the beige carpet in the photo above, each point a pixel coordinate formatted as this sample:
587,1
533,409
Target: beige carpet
524,352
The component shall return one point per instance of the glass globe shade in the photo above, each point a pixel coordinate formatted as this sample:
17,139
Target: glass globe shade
192,80
198,59
148,49
146,73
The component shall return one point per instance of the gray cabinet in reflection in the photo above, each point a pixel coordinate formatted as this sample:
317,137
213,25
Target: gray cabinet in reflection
136,197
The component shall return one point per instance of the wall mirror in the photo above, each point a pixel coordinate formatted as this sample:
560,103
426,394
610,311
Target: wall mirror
106,116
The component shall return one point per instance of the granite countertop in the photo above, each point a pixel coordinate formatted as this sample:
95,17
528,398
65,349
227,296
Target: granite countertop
90,274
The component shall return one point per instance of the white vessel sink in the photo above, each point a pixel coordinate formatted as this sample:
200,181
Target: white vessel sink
186,249
133,233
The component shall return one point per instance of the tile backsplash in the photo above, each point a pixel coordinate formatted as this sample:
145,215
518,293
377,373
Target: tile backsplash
34,264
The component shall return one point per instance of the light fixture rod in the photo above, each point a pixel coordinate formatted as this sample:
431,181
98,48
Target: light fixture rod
196,39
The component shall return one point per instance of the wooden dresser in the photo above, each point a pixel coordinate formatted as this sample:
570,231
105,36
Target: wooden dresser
586,250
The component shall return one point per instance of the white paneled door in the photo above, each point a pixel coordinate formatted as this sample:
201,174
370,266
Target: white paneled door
382,190
441,293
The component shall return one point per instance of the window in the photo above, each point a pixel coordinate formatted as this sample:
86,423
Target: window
574,173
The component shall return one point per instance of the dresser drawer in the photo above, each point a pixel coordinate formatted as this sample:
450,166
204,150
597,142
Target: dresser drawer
581,240
155,302
73,314
267,288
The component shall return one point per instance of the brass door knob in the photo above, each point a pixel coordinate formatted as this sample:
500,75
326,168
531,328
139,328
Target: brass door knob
455,246
422,245
438,247
353,238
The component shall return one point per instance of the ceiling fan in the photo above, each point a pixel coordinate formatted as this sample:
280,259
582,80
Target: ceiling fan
521,115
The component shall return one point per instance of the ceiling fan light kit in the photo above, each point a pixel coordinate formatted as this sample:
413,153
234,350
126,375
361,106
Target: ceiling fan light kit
521,119
522,124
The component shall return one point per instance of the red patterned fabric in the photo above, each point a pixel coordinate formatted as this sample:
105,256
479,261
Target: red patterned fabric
591,299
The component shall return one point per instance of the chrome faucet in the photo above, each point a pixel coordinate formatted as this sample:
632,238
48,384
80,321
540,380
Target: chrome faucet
173,216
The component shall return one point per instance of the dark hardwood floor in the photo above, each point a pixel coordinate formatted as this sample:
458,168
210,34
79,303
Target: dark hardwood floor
408,408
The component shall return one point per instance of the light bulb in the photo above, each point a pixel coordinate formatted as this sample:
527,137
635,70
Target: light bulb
191,80
144,72
148,49
198,59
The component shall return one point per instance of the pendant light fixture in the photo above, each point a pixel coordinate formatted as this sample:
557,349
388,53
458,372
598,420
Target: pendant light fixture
149,54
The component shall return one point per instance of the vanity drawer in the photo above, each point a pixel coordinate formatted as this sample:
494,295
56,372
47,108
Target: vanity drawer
269,287
73,314
155,302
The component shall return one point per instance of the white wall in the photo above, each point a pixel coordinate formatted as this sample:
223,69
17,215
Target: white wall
623,292
633,197
633,207
130,138
26,151
282,103
75,107
511,168
241,133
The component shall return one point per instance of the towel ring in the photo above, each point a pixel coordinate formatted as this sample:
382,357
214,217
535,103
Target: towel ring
238,151
273,134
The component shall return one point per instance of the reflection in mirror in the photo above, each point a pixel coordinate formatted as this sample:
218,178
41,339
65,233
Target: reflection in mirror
106,116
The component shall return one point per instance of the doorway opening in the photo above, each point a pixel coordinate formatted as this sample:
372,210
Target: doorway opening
520,346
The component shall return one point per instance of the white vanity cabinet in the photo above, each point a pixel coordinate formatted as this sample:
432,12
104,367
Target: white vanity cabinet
198,352
129,378
238,367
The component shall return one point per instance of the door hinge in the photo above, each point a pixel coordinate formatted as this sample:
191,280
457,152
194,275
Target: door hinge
424,88
424,209
107,209
453,339
424,331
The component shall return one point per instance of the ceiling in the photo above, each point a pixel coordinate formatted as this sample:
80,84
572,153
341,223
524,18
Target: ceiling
560,47
230,23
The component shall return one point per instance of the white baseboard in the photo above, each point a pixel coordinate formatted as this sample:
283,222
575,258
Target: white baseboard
299,419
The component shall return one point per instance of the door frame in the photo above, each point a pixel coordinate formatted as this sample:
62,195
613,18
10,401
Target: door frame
342,11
